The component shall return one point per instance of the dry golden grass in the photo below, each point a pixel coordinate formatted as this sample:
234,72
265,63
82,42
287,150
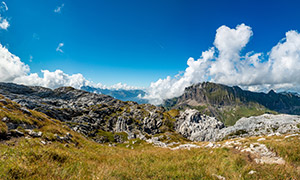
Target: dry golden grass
29,159
23,158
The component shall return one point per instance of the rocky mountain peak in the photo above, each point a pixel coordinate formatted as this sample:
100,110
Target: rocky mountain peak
228,104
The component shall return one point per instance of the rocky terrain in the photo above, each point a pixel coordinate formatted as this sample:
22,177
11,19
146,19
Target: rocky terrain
98,116
105,119
266,124
229,104
42,137
197,127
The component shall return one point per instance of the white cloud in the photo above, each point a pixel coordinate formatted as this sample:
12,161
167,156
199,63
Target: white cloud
229,43
11,66
53,79
117,86
4,6
172,87
59,8
278,69
12,69
4,24
285,60
60,45
30,58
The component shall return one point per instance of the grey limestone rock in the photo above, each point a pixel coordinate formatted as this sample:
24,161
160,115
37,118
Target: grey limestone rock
198,127
266,124
86,112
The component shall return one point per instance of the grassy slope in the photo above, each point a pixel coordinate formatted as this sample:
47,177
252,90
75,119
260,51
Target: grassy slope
23,158
29,159
230,115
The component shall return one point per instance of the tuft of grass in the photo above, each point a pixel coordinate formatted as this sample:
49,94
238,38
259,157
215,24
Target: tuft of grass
29,159
288,148
110,137
174,112
3,129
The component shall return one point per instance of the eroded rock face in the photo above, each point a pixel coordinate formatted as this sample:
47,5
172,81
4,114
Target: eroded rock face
198,127
87,112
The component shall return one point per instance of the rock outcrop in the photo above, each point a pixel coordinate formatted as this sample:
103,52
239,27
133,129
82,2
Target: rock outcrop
198,127
104,118
88,113
267,124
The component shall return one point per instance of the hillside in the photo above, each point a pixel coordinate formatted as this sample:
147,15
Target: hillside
231,103
105,119
35,146
97,116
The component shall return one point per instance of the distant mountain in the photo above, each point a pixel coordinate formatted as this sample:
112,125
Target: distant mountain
290,93
231,103
124,95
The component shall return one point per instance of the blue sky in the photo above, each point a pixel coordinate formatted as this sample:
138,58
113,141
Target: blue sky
135,42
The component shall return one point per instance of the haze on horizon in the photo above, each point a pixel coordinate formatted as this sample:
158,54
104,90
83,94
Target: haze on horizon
161,47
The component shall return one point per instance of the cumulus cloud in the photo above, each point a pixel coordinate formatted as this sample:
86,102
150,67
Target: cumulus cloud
4,6
11,66
12,69
59,8
278,69
172,87
117,86
53,79
4,24
58,49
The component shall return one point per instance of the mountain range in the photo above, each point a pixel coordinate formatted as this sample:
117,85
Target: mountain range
229,104
121,94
